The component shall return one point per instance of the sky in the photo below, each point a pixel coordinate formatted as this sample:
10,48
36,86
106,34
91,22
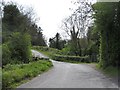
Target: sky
50,12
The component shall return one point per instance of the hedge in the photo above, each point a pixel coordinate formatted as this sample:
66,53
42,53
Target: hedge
71,58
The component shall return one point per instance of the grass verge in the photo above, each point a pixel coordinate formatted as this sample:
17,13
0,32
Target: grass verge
109,71
14,75
0,78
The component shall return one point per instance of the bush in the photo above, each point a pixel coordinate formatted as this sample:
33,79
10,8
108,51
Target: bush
17,50
71,58
20,47
13,74
6,54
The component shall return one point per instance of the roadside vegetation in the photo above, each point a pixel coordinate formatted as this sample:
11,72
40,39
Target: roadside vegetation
19,33
107,24
93,29
0,78
14,75
110,71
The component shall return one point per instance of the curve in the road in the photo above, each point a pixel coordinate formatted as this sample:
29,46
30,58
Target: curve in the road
67,75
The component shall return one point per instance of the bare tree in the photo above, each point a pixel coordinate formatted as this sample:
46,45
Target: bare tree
77,24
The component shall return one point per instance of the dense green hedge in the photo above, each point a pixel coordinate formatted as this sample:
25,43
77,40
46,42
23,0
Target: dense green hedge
13,74
71,58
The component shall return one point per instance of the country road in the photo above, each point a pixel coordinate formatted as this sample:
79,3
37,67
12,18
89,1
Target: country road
37,54
67,75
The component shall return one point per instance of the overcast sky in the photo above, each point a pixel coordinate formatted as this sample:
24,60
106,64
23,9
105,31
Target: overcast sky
50,12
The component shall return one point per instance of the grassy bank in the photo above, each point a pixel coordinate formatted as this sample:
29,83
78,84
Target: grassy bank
109,71
0,78
14,75
47,51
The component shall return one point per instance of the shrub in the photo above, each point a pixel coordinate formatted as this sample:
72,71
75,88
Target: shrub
6,54
20,47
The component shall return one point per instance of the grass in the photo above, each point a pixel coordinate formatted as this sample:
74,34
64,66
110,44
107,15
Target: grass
14,75
45,53
109,71
46,50
0,78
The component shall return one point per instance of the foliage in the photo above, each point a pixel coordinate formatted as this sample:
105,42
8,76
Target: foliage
63,55
93,43
37,37
19,31
67,49
11,17
13,74
110,71
6,54
57,42
20,45
0,78
17,20
17,50
76,25
72,49
107,22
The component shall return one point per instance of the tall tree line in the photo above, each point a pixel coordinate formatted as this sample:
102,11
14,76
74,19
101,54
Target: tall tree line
15,20
19,32
107,20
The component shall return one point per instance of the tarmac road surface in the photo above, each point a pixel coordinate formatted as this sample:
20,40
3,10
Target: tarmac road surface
68,75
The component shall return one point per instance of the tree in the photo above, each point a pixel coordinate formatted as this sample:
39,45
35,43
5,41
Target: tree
19,30
107,22
16,20
11,17
51,43
37,36
77,24
93,39
10,21
57,42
